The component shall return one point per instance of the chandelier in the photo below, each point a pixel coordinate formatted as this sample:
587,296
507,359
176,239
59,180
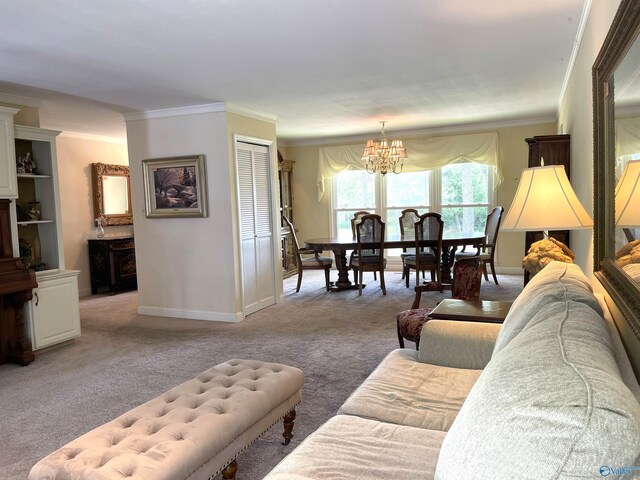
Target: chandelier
383,156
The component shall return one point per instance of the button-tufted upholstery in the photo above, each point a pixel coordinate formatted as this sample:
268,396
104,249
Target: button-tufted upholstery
191,431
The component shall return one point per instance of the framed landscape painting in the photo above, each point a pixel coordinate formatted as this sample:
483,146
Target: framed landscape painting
175,187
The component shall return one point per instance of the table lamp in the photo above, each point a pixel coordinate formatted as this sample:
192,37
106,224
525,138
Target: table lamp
545,201
628,196
628,212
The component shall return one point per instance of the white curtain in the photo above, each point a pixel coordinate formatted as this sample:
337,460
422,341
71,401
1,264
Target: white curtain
424,154
627,136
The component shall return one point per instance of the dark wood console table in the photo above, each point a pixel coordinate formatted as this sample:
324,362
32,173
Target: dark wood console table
112,262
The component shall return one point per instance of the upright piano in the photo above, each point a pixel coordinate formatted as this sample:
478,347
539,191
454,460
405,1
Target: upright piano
16,285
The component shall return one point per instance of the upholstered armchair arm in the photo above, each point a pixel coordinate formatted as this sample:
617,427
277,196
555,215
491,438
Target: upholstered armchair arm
427,287
457,344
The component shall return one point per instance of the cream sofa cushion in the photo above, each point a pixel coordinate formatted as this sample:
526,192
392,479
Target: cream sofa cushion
348,447
550,404
557,281
403,391
458,344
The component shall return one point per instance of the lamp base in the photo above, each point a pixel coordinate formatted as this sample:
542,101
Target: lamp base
630,253
543,252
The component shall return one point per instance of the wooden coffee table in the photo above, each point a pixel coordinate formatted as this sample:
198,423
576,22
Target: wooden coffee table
493,311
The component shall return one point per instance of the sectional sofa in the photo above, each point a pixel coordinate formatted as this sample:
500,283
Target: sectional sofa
548,394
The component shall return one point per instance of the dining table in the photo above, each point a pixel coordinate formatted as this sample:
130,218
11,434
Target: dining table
340,244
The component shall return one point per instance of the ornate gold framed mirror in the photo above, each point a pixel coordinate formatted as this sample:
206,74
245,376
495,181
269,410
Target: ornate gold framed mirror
111,194
616,104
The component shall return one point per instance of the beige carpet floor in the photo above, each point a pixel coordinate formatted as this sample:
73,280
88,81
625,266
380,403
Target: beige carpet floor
123,359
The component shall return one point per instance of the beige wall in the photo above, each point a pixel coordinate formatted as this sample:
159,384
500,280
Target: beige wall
575,118
576,113
75,156
188,267
312,217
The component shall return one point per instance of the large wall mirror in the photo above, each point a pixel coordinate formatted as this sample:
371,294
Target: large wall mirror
111,194
616,116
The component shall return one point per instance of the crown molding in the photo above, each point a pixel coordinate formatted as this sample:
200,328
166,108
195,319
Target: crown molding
574,52
246,112
20,100
198,110
175,112
426,132
94,138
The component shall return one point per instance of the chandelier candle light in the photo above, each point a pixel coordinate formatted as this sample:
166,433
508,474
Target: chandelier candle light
384,157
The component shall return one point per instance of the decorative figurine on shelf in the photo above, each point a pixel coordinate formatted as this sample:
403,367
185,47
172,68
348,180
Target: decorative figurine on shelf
26,252
34,210
100,228
20,165
28,163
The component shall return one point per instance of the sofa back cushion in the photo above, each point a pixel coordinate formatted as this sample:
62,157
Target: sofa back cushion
556,282
550,404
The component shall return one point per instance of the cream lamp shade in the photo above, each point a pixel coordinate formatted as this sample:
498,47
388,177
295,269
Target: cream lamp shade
628,196
545,201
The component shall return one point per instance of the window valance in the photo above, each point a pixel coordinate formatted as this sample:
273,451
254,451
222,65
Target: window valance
424,154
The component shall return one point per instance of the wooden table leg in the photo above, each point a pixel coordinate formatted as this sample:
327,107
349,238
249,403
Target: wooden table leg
342,265
448,256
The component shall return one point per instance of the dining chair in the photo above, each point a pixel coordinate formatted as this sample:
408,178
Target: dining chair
354,221
408,218
487,250
428,228
370,229
466,283
311,263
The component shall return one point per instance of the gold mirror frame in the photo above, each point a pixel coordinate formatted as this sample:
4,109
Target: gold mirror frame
622,289
98,171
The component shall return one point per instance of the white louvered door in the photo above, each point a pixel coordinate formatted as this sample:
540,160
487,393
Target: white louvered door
256,226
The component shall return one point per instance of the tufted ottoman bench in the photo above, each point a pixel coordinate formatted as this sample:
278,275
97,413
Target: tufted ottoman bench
193,431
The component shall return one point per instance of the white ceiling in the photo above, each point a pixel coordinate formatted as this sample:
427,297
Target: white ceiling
323,67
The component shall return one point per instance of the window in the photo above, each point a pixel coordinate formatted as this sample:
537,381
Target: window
355,190
407,190
461,192
465,197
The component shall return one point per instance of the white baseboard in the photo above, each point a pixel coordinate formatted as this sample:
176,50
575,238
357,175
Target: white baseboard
509,270
84,292
191,314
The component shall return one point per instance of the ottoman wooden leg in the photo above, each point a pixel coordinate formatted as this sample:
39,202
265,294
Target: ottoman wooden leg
229,472
288,426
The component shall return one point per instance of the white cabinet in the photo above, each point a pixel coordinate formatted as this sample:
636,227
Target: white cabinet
41,232
8,184
53,314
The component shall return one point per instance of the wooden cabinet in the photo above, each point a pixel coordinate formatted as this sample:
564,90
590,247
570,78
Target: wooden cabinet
53,315
113,264
285,171
53,312
555,150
